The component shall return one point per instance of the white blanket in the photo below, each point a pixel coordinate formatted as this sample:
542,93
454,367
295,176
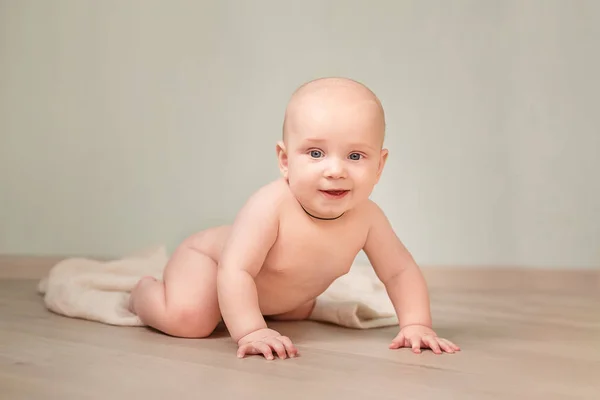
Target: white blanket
99,291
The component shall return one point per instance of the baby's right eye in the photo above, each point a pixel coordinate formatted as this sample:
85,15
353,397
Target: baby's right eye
315,153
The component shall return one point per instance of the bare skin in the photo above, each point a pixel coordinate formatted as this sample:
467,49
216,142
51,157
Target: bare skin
295,236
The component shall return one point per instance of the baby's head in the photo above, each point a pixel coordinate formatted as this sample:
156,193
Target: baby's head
332,149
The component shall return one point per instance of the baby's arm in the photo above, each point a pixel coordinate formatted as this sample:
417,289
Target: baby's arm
252,235
405,285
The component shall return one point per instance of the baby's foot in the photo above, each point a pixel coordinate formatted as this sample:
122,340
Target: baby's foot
136,289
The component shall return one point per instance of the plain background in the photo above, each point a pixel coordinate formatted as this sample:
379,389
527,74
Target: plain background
125,124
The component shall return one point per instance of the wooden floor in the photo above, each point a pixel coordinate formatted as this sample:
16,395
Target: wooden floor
516,344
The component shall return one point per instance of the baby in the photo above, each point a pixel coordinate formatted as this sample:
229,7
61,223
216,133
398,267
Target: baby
296,235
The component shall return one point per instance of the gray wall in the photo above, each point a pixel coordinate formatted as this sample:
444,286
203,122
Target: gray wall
125,124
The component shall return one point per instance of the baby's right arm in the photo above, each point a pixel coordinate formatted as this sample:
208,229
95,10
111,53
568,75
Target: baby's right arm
253,234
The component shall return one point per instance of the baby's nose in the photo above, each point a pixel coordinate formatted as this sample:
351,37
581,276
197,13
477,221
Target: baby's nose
335,169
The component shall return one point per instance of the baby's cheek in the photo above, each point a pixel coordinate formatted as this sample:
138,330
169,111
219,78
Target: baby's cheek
299,183
363,185
361,177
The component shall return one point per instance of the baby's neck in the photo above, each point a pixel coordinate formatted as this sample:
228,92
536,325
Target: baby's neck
321,218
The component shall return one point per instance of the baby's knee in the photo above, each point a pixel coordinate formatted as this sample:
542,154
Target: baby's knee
189,323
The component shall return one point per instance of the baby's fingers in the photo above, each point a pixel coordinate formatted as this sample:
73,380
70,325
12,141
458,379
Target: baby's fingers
289,346
432,343
256,348
415,342
277,346
445,346
449,344
397,342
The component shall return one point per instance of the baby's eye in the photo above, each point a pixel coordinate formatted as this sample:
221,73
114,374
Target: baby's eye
316,153
355,156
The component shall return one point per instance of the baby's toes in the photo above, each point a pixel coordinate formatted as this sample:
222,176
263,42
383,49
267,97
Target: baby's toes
145,280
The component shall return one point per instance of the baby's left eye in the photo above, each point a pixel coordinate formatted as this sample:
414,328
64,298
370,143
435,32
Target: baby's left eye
355,156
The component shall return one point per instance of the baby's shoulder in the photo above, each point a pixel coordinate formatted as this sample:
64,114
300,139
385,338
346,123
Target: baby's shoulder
371,213
268,198
369,209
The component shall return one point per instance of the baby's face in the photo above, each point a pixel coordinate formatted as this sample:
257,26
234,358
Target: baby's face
334,153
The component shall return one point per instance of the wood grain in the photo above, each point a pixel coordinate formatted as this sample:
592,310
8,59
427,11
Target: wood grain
518,339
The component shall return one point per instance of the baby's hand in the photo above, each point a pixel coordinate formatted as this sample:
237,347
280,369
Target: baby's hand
263,341
420,336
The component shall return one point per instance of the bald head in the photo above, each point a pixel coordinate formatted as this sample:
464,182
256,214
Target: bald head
325,97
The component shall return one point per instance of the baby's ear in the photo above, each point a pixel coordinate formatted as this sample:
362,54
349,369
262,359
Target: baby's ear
283,158
382,160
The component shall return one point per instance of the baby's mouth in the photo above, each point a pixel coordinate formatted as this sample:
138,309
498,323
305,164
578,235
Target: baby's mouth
335,193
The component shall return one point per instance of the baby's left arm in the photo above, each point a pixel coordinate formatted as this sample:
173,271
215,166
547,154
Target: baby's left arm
405,285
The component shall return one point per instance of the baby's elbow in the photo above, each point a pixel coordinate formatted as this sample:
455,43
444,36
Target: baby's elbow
391,278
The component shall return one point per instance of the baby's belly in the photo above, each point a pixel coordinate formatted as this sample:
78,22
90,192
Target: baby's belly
278,295
282,292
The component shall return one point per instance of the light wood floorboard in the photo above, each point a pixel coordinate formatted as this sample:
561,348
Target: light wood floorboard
517,344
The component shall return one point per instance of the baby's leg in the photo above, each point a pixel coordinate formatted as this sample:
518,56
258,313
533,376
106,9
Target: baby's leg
185,304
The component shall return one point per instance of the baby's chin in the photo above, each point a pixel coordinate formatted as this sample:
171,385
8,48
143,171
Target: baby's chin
331,208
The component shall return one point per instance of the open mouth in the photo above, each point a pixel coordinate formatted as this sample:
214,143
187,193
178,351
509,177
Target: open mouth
335,194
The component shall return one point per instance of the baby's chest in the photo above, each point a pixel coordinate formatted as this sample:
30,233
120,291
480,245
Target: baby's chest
309,251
